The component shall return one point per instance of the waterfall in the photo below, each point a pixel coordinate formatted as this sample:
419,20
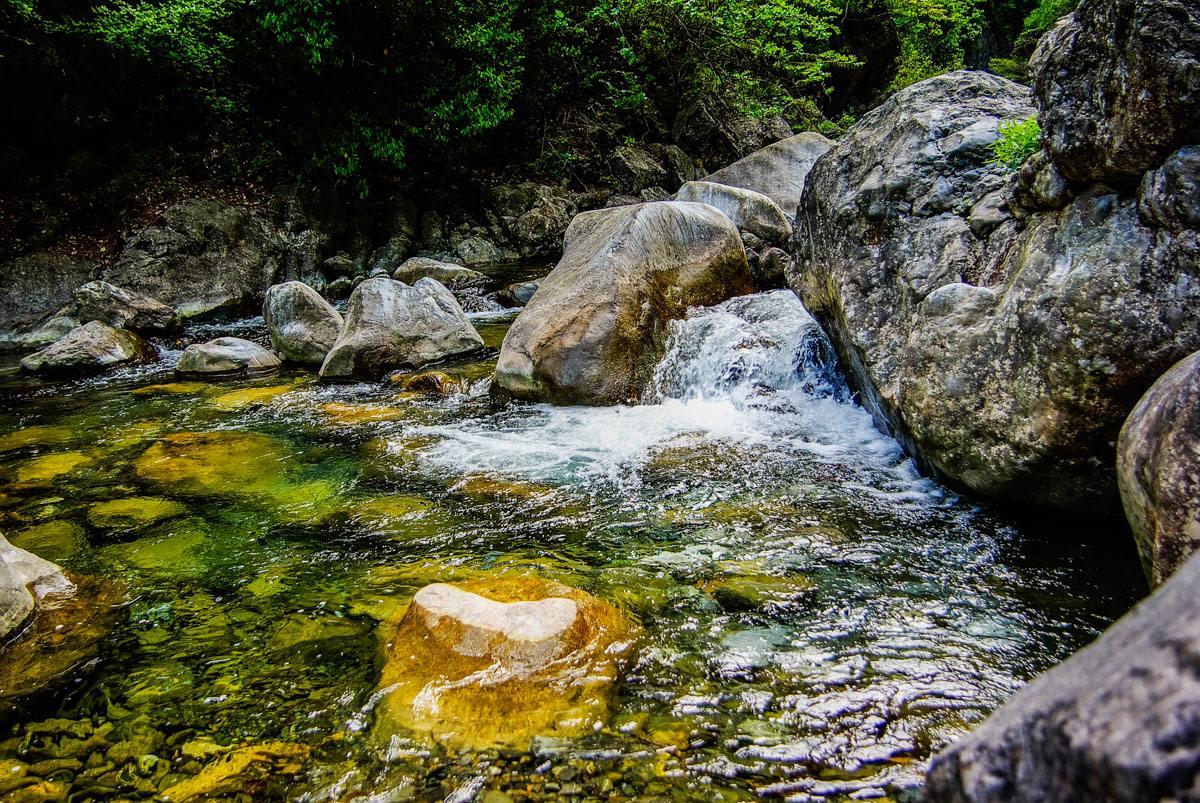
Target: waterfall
747,349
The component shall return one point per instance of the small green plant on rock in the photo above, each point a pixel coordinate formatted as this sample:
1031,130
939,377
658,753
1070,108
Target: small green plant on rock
1018,141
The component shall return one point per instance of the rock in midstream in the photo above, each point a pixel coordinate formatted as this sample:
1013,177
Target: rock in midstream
597,325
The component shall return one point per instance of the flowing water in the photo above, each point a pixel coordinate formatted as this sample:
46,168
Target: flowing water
818,618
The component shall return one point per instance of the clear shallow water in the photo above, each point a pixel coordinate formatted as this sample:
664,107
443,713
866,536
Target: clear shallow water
818,618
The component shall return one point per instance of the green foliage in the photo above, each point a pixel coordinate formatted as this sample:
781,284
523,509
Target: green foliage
358,89
933,36
1041,20
1018,141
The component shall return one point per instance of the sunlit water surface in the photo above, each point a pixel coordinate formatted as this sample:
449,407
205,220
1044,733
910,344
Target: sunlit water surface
819,619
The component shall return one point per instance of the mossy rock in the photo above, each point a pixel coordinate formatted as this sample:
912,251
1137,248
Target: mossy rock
223,462
172,389
436,383
133,513
54,541
44,470
35,436
243,772
175,553
354,414
250,397
496,662
64,634
756,591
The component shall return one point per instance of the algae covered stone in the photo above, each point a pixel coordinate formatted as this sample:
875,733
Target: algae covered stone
215,463
499,661
44,470
138,511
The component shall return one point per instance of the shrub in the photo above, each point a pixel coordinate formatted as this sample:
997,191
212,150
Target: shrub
1018,141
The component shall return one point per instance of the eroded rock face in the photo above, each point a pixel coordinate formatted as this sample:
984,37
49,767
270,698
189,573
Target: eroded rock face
116,306
497,662
226,357
32,288
750,211
1158,468
777,171
392,325
303,325
597,325
92,347
1005,352
1118,721
1119,87
205,256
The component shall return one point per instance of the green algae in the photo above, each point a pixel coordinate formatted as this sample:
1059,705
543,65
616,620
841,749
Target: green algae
55,541
44,470
133,513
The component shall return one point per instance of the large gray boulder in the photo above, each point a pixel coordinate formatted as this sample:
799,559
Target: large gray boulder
1158,468
303,325
453,276
92,347
1119,87
391,325
121,308
1119,721
777,171
1004,352
597,325
226,357
32,288
24,580
205,256
750,211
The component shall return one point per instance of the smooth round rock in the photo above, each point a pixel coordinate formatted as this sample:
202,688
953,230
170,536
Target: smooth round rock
303,325
1158,470
226,357
89,348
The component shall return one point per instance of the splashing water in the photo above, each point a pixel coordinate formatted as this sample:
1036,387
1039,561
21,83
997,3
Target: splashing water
754,372
819,619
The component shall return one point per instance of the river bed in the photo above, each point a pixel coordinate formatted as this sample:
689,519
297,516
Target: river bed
818,618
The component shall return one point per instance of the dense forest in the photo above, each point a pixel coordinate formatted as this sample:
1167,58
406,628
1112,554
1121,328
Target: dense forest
361,90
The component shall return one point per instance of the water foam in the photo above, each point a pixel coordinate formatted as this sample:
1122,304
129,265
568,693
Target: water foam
755,371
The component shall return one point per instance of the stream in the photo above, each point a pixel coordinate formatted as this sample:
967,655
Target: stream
819,618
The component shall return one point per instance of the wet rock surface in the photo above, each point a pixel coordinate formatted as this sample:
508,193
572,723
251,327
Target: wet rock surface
1004,352
598,323
389,324
303,325
500,662
226,357
1158,466
90,348
1117,721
